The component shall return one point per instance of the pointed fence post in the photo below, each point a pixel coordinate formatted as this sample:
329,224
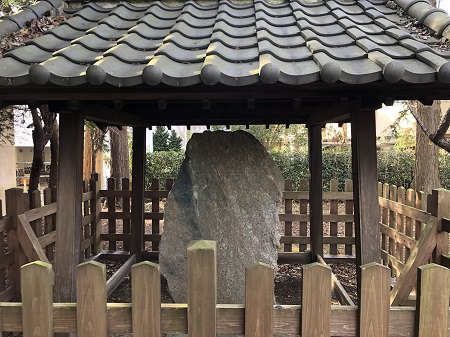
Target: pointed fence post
146,299
37,299
374,303
91,300
316,300
433,286
202,288
259,297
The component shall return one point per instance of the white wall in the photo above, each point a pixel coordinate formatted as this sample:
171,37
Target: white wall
7,168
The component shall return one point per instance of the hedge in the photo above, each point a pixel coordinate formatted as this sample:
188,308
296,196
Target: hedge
394,167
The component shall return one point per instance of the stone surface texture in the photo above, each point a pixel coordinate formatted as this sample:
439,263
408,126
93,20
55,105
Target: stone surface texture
227,190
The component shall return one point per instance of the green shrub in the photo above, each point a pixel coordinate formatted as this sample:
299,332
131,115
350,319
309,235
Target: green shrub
394,167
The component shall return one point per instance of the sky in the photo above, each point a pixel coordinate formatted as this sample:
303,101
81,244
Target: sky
445,4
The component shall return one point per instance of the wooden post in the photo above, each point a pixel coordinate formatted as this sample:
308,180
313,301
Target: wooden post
433,286
315,189
146,299
49,224
15,205
37,299
96,208
303,230
202,288
316,300
364,165
155,210
69,200
440,201
137,192
349,210
374,309
334,210
91,300
288,210
259,288
126,209
111,202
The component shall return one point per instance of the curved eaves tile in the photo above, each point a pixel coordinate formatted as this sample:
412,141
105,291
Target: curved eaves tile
48,43
329,30
280,32
340,40
124,13
7,27
283,10
216,70
360,19
187,43
161,69
295,54
438,63
233,55
380,8
58,70
315,11
114,72
202,13
153,22
139,43
341,53
370,28
181,55
235,22
196,22
414,45
161,13
421,10
79,23
41,7
107,33
116,22
147,32
91,14
352,9
418,72
379,39
324,20
22,17
230,42
127,54
437,21
352,72
394,51
13,72
29,54
94,43
77,53
235,32
65,32
293,73
279,41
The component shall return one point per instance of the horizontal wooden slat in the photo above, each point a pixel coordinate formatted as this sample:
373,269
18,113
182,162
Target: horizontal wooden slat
326,217
37,213
5,224
6,260
330,258
326,240
298,258
230,319
127,215
127,194
47,239
397,236
87,196
408,211
152,237
304,195
446,225
445,261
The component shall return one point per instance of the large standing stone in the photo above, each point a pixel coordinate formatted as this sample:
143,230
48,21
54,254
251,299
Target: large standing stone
227,190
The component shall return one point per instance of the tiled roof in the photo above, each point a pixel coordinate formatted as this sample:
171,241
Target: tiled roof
182,44
11,23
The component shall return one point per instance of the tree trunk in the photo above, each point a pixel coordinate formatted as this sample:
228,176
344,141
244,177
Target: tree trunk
120,167
54,151
426,170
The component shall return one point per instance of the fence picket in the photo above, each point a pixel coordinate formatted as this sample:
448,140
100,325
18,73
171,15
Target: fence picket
111,203
35,202
349,210
259,289
410,201
202,288
288,210
155,210
400,224
433,283
392,223
91,300
303,230
333,210
374,302
126,209
316,300
37,299
146,299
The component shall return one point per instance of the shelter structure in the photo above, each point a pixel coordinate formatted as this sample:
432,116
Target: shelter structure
245,62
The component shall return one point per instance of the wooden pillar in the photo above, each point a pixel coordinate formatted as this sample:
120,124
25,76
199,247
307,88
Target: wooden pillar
69,200
137,192
364,165
315,189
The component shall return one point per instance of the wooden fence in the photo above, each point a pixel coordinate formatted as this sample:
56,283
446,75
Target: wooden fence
294,217
38,316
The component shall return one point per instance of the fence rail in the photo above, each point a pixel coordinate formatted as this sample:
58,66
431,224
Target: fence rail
37,315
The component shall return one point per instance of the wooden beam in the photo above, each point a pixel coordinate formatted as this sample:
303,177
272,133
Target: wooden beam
295,258
137,192
364,165
315,189
69,216
116,279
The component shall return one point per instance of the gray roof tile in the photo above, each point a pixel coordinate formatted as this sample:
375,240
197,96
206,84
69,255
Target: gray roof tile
296,42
